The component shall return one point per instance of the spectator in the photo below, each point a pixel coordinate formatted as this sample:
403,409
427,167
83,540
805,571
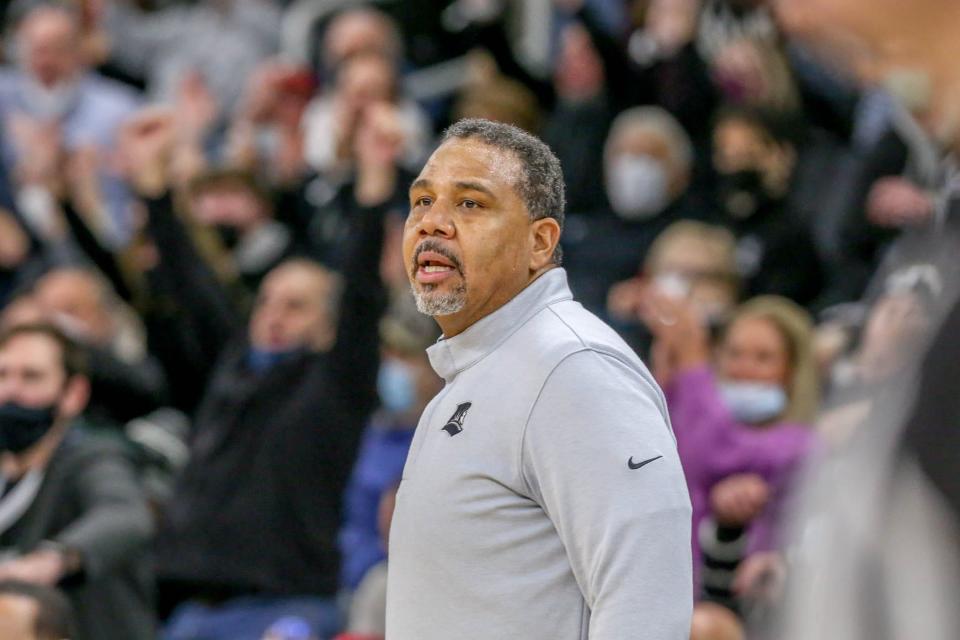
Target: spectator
690,261
755,160
241,210
33,612
742,423
281,414
331,120
75,512
647,168
53,105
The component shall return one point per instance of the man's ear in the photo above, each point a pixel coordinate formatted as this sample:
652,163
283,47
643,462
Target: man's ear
545,234
76,395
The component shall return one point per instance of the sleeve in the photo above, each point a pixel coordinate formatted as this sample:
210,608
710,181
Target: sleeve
696,409
115,524
599,457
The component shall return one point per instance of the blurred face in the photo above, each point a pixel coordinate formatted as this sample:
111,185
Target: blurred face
579,70
754,350
31,371
469,243
50,47
228,206
291,310
75,300
366,80
711,288
738,147
354,33
640,141
18,616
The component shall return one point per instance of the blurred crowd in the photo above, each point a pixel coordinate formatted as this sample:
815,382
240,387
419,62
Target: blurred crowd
210,363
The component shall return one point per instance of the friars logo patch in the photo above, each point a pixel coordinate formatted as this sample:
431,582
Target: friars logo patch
455,423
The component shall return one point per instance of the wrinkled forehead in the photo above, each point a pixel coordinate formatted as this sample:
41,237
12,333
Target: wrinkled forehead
472,160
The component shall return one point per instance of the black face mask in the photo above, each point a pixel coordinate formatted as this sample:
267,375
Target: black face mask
22,427
229,235
741,194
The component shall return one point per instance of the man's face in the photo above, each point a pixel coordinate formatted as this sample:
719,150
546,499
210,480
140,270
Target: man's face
291,309
18,617
467,242
74,299
31,371
50,47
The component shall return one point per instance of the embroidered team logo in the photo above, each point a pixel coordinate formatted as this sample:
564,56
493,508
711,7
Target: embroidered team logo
455,423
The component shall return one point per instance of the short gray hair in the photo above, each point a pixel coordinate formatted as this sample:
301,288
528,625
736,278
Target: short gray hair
661,123
540,185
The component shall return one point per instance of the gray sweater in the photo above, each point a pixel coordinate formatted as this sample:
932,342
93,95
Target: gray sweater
543,495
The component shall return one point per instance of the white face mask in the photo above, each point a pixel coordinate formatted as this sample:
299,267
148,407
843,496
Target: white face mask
753,402
637,186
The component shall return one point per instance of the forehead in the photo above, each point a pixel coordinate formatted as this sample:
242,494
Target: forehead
31,350
294,280
469,159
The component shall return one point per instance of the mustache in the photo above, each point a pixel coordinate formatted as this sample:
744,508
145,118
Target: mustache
436,247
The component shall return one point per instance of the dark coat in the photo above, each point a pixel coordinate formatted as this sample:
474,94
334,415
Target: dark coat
91,500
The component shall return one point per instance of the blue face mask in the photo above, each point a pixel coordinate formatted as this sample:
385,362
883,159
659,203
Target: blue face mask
261,360
753,402
397,386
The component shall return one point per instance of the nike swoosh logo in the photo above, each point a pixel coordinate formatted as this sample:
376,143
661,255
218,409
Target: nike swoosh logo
637,465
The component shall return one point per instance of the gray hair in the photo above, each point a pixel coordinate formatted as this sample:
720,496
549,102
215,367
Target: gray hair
540,184
660,123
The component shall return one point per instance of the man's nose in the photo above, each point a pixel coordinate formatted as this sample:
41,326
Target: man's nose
437,221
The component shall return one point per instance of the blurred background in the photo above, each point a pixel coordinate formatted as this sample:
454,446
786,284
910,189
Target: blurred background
207,197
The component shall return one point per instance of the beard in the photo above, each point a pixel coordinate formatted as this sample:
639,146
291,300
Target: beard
432,302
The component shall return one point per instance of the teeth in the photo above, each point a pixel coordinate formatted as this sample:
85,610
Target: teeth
436,269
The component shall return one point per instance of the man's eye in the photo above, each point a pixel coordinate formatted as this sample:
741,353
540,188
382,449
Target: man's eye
470,204
422,201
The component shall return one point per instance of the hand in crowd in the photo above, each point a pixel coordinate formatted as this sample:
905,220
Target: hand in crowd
761,577
897,202
14,243
145,145
738,499
681,341
44,567
377,145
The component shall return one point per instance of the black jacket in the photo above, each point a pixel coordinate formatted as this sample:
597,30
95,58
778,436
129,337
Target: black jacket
91,500
257,508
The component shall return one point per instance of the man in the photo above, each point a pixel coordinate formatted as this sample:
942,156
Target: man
72,510
52,104
249,535
543,495
32,612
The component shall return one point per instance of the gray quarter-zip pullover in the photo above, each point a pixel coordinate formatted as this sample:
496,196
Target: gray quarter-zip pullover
543,495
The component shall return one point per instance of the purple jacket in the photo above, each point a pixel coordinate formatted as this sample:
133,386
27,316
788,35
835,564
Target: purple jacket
713,446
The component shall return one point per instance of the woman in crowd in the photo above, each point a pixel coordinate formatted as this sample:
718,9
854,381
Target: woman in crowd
742,418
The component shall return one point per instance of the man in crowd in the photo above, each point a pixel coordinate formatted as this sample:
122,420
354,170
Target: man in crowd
249,535
71,511
53,104
543,495
32,612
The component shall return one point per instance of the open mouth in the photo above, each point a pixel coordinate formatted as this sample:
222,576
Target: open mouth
433,266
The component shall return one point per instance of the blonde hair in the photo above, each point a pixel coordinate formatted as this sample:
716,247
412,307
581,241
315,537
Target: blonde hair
715,240
796,327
